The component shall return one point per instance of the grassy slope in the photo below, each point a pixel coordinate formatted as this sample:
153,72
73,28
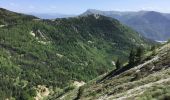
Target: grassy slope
149,80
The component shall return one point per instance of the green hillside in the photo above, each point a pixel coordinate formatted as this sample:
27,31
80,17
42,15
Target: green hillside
55,53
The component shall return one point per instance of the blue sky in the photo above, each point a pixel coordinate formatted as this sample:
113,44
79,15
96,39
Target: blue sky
79,6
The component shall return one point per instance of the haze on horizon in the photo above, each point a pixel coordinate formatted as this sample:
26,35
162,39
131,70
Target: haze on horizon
79,6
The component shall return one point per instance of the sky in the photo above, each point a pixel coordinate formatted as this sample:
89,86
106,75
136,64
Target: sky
80,6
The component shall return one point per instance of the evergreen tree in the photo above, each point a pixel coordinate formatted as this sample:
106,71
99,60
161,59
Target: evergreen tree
139,54
132,57
118,64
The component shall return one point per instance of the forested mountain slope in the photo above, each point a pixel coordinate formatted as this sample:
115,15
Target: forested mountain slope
151,24
49,55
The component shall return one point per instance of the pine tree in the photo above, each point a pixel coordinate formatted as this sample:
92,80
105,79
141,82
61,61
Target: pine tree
139,54
132,57
118,64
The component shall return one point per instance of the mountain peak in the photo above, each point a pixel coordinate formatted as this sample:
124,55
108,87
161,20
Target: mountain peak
96,16
91,11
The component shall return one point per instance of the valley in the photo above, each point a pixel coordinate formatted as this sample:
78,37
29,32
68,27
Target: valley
84,50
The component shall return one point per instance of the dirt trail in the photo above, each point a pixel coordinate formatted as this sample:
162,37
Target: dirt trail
137,68
145,63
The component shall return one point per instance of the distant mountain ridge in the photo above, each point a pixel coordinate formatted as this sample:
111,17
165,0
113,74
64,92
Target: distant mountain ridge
51,15
151,24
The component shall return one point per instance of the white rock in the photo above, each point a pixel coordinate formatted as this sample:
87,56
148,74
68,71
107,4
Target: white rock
78,84
2,25
90,42
32,33
59,55
113,63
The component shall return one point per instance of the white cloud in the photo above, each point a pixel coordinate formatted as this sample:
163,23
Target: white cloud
150,8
